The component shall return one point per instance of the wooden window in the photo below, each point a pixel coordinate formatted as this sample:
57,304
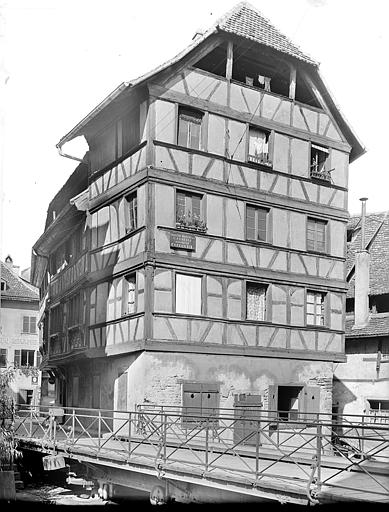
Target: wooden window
132,211
256,223
255,301
188,294
315,308
200,401
56,319
24,357
319,163
74,310
3,357
189,128
258,148
29,325
189,210
316,235
129,304
291,403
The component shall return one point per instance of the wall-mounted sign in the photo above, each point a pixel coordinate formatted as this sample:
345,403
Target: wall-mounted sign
183,241
34,380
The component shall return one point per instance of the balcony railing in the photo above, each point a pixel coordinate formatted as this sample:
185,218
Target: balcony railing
322,174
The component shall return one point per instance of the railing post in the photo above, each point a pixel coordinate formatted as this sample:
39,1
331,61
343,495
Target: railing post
30,422
129,434
257,450
164,437
54,430
318,454
362,437
206,445
73,424
99,433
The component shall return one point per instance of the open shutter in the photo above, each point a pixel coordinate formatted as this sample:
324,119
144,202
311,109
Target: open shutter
192,402
122,392
310,402
272,401
26,324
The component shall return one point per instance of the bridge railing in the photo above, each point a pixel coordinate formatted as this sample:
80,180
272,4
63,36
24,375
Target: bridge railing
256,446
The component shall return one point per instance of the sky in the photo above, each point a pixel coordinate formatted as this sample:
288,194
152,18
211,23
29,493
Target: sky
60,58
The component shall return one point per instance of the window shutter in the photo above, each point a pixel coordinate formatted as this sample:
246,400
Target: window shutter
196,207
75,390
130,294
262,224
17,358
122,391
26,324
311,402
32,324
272,401
96,392
191,402
250,223
183,129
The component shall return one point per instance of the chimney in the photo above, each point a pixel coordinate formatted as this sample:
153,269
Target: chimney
362,277
199,33
10,264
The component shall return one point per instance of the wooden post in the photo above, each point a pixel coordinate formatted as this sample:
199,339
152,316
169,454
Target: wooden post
292,83
230,60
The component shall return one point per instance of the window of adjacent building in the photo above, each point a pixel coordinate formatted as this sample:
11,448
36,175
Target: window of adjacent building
132,212
129,295
200,401
319,163
188,294
378,407
255,301
256,223
315,308
188,210
3,357
24,357
258,150
316,235
189,128
29,325
25,396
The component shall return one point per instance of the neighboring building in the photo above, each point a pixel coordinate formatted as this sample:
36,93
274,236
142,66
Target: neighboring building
361,386
19,343
198,251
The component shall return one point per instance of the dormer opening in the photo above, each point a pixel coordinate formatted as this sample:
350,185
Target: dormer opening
260,69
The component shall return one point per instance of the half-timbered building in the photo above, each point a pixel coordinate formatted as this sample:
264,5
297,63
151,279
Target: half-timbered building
196,257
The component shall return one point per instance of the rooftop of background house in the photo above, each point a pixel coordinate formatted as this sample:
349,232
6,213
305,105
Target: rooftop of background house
16,288
377,243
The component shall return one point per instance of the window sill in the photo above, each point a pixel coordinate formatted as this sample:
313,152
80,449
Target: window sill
318,253
195,229
255,162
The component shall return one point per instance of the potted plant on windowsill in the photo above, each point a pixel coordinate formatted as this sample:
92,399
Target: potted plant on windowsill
191,222
9,452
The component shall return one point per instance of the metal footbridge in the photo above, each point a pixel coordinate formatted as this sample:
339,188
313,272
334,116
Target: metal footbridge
229,455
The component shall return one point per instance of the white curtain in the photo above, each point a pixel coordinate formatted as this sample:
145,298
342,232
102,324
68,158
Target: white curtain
188,294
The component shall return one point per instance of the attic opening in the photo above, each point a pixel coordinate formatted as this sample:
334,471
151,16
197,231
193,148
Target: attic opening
259,69
3,286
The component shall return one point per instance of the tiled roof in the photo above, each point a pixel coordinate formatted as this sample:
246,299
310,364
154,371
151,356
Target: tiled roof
245,21
377,243
16,287
378,326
